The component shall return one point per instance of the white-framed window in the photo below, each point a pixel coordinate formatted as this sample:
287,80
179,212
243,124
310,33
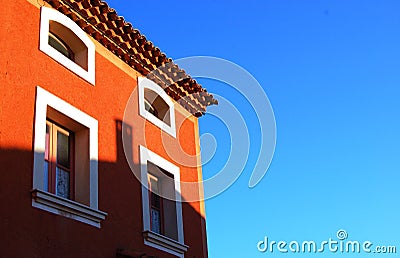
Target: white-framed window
161,203
156,106
64,41
65,165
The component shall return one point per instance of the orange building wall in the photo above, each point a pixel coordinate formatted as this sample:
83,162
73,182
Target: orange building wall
31,232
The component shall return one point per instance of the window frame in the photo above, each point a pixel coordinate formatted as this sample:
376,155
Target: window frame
144,83
159,241
151,206
51,149
43,199
48,15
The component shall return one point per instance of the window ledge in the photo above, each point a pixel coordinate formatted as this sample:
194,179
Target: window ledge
67,208
165,242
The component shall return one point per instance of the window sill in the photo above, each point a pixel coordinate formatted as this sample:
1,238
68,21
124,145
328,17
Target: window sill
164,243
67,208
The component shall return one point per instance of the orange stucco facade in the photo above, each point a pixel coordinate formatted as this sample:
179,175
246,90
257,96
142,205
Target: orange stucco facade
30,232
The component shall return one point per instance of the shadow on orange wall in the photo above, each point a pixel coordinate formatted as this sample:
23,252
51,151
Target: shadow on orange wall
27,231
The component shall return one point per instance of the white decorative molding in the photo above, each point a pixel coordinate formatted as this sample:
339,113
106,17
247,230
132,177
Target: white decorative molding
64,207
164,243
144,83
48,14
150,238
44,100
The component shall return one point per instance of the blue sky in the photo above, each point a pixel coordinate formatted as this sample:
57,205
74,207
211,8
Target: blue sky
331,72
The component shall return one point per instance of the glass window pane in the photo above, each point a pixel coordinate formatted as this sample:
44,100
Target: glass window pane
155,221
62,183
55,42
46,176
155,201
150,108
63,149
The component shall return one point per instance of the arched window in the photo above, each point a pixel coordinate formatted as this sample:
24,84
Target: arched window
156,106
67,43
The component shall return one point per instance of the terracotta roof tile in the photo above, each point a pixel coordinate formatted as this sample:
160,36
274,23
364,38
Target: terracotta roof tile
100,21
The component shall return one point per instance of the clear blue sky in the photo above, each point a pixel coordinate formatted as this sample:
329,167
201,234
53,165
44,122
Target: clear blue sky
331,70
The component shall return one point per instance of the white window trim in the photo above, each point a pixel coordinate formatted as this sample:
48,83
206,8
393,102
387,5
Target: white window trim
61,206
50,202
48,14
158,241
146,83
